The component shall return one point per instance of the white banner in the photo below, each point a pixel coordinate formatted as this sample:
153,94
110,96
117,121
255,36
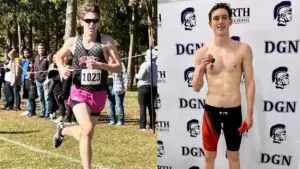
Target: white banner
273,142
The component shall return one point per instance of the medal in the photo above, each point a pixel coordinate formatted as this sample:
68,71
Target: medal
212,61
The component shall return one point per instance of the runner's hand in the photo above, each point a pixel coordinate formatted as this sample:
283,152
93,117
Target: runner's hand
66,72
92,64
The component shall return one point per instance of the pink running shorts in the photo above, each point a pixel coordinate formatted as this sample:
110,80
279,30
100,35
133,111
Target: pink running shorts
94,99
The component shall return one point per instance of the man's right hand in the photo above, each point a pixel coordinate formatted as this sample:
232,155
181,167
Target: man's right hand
205,60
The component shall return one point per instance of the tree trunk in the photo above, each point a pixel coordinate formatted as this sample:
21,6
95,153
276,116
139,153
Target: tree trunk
9,39
152,20
132,28
15,33
30,36
130,54
151,32
19,38
8,43
56,37
135,68
47,40
70,28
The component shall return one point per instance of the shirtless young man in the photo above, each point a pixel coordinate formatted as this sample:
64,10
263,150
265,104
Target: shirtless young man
90,53
222,62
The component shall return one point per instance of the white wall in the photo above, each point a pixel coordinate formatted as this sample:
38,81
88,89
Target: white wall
181,151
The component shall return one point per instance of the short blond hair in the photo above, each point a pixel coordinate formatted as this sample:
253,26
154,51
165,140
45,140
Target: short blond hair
88,7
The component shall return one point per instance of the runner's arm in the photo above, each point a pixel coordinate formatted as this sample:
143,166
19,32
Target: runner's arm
110,50
63,52
108,45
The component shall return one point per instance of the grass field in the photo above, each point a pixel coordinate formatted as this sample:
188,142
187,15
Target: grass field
26,143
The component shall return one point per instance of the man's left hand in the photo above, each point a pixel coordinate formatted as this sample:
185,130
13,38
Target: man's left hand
92,64
249,120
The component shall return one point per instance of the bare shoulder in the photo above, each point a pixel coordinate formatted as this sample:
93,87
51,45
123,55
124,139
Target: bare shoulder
68,47
106,38
70,42
245,48
200,52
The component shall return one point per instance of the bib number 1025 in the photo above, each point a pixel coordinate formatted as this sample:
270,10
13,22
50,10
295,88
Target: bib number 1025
90,77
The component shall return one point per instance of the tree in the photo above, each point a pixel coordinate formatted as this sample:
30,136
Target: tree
38,20
71,11
133,4
151,8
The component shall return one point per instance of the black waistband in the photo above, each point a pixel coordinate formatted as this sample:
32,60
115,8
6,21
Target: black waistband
222,109
92,88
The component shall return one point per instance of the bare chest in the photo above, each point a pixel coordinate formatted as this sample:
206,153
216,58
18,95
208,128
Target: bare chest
228,61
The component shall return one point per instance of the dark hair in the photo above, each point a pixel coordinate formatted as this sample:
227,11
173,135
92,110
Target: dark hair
218,6
25,49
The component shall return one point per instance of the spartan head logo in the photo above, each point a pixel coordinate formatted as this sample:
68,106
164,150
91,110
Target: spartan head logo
188,75
278,133
193,127
283,13
157,102
280,77
160,148
188,18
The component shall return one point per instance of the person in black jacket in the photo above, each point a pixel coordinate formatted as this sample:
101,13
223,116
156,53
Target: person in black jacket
2,73
55,92
26,61
41,67
32,90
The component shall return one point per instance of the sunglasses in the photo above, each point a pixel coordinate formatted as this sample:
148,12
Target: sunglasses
91,20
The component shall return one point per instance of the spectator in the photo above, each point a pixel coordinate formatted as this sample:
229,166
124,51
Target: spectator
144,89
55,92
41,67
16,78
26,79
8,89
117,86
32,90
2,73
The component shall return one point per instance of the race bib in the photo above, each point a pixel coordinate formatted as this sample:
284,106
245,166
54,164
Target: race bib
90,77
